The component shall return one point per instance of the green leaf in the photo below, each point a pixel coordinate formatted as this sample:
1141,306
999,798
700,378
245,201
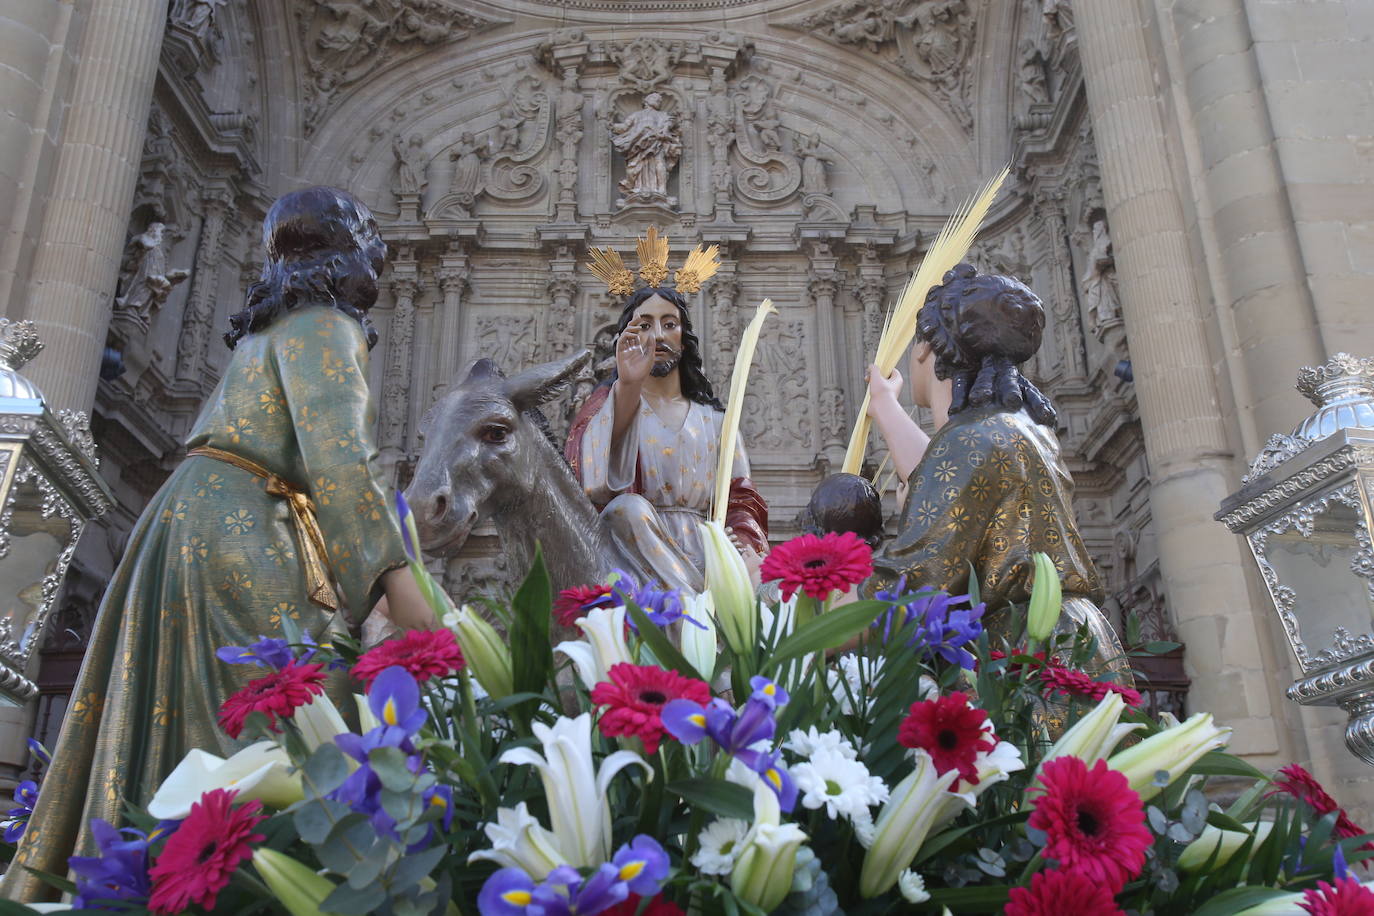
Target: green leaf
391,766
415,866
829,631
1217,763
531,655
316,817
717,796
983,899
326,770
1225,822
348,843
1237,899
348,901
1160,646
667,654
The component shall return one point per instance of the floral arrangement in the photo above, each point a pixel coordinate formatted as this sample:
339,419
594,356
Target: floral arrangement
715,753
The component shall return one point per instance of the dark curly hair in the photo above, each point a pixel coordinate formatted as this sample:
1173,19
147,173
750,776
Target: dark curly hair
321,247
844,502
981,328
695,385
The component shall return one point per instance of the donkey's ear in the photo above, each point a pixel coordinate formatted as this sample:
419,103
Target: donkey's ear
540,384
477,370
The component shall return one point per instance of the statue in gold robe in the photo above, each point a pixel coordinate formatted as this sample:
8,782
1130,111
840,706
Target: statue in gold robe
279,512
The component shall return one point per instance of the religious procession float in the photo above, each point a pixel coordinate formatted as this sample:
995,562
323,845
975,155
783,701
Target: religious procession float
666,717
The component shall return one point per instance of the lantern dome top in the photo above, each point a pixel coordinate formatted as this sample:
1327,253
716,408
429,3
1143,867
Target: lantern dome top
1343,390
19,343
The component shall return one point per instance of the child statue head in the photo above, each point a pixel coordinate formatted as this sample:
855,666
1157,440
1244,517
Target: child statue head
845,502
322,246
981,328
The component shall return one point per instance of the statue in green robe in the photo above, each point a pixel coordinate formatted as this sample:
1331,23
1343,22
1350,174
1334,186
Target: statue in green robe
279,512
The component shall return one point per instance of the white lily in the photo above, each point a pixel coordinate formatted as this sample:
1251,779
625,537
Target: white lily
917,804
259,772
366,720
1173,750
1225,843
603,648
487,655
319,722
518,840
767,857
993,766
1092,737
698,644
732,593
574,787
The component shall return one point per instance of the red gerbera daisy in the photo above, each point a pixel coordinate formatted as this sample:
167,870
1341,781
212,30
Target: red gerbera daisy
819,565
424,653
951,731
1061,893
655,907
636,694
1300,784
278,695
203,853
574,603
1070,682
1344,897
1094,820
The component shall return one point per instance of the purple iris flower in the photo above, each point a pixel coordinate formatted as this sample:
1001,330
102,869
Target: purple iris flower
403,513
642,865
939,629
119,873
508,892
1339,868
770,769
689,722
17,818
768,692
661,605
40,752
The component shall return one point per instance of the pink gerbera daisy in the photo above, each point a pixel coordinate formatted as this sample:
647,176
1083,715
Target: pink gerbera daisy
573,603
1344,897
1094,820
1295,781
277,695
204,852
951,731
636,694
1061,893
819,565
424,653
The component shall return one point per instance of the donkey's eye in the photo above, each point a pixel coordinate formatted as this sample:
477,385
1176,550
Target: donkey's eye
495,435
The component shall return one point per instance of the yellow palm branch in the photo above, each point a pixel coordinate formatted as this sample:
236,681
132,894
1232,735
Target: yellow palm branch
729,430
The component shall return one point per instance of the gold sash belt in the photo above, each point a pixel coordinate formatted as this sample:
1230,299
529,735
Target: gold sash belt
317,576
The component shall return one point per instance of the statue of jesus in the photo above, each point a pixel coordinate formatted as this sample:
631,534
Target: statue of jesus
651,142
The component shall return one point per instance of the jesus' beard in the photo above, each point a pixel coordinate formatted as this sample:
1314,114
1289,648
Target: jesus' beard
665,364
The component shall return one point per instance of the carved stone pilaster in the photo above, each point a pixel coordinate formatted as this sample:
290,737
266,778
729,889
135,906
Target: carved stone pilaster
824,286
453,276
1068,320
562,311
396,379
194,344
723,295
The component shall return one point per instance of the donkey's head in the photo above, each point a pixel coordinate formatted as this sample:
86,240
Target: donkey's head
485,447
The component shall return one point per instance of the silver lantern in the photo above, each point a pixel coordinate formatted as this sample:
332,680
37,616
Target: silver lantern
49,490
1306,508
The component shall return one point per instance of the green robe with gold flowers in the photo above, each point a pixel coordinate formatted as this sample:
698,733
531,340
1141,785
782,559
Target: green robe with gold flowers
214,561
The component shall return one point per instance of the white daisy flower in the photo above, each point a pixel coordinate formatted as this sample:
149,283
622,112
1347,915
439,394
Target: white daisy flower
913,887
843,786
720,844
854,672
864,829
807,743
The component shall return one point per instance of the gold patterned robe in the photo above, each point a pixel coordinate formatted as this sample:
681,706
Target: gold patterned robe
992,490
214,561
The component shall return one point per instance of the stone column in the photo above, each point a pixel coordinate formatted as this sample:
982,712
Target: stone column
562,320
723,295
396,379
1185,438
1068,319
453,276
193,346
77,260
871,291
829,343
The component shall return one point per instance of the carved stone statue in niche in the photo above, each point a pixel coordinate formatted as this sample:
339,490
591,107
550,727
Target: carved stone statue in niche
411,164
651,142
508,130
147,281
1058,21
720,129
766,124
938,33
814,180
194,15
1033,87
466,156
1099,286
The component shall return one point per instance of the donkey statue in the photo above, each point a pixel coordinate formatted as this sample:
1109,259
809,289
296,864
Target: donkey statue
487,455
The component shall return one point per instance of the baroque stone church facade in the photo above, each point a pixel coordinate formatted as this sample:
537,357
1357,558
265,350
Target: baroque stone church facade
1189,195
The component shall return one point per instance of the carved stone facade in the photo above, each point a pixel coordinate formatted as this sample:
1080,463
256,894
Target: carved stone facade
821,144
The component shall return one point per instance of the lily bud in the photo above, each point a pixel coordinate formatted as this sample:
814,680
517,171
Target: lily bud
603,648
260,772
319,722
699,642
917,804
485,652
767,859
1224,843
732,593
1092,737
1173,751
298,888
1046,599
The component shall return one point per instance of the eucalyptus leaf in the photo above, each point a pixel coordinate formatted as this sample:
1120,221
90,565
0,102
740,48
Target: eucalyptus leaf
365,872
1158,822
391,764
348,901
316,817
326,770
414,866
1180,834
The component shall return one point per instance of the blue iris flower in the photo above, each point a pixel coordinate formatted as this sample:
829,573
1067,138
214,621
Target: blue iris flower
940,630
639,867
270,653
17,818
119,873
661,605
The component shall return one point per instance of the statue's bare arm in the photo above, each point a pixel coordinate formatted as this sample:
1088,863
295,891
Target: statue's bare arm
906,441
634,357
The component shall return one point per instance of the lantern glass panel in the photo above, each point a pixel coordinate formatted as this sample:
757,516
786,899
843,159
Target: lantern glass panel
41,533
